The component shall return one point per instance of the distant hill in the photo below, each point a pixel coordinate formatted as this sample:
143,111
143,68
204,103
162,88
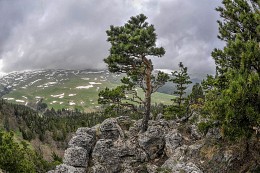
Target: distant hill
69,89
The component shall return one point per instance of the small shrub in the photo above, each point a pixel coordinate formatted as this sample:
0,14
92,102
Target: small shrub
204,127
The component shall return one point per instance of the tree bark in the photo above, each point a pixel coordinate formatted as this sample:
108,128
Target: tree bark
148,93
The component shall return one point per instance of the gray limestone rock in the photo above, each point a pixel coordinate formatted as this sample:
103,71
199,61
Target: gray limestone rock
85,141
151,168
195,134
86,131
76,156
124,122
63,168
110,129
173,140
152,141
214,133
194,150
175,166
106,156
97,168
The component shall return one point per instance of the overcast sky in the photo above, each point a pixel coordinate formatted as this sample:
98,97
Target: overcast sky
70,34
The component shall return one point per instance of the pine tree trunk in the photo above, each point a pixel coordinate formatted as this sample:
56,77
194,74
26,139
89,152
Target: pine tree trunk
148,93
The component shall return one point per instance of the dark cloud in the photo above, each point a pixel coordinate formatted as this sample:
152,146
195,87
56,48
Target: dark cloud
11,14
71,34
188,31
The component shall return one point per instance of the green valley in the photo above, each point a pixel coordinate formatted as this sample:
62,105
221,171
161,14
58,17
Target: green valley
69,89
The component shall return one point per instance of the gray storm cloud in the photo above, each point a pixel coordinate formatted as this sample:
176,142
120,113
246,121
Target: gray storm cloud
71,34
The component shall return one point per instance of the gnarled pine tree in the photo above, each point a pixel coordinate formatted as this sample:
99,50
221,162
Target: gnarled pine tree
131,45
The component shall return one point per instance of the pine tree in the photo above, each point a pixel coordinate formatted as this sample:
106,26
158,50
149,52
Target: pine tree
196,93
234,99
182,80
131,45
13,158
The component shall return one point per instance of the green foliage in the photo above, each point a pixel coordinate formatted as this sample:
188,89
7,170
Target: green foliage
41,106
18,158
196,94
234,98
56,158
208,83
114,98
204,127
182,80
131,44
13,157
196,100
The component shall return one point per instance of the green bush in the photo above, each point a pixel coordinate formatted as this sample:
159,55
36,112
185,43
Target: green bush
204,127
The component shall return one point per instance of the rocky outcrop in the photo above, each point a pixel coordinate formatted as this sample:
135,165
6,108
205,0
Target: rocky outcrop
173,140
76,157
116,145
152,141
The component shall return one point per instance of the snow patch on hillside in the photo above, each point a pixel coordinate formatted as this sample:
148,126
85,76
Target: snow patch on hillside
58,95
47,85
30,84
84,87
85,78
71,103
94,83
9,98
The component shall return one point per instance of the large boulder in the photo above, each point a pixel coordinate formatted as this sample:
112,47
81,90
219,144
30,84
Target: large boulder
76,156
85,141
86,131
116,156
109,129
106,157
173,140
124,122
152,141
195,134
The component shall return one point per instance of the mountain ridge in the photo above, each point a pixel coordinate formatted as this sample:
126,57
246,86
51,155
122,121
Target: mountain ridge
61,88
